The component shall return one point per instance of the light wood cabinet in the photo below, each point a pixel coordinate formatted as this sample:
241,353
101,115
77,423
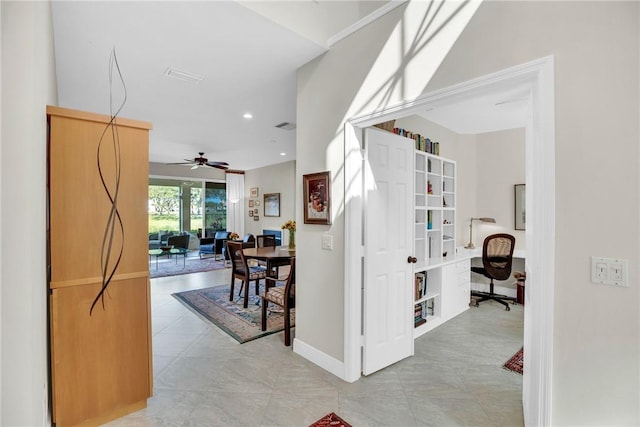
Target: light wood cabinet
101,362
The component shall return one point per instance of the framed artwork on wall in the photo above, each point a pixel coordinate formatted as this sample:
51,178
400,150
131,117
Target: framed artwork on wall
250,212
256,218
520,211
317,198
272,204
253,192
250,203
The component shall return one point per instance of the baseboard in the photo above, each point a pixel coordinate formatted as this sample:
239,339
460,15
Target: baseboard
320,358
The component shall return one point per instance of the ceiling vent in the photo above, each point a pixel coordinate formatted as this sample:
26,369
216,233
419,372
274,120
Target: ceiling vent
286,126
183,75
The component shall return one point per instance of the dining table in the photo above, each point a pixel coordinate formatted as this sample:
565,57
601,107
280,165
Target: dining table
274,256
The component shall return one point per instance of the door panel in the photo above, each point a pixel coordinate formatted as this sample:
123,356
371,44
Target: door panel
388,243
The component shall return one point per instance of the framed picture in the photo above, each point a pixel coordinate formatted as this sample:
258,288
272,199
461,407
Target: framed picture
250,203
250,212
255,212
272,204
253,192
520,211
256,218
257,202
317,198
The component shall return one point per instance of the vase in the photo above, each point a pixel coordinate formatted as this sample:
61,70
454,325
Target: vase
292,239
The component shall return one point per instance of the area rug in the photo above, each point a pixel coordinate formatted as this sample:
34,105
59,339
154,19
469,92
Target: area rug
516,362
330,420
176,265
243,324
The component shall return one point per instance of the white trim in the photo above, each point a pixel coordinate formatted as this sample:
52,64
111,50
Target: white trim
320,358
388,7
354,196
537,77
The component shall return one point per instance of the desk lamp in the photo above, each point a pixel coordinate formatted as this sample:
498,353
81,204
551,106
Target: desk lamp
470,245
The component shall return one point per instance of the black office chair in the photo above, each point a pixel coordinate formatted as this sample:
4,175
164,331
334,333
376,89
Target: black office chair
497,257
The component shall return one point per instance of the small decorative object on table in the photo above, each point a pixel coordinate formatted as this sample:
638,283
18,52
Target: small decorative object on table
234,236
291,226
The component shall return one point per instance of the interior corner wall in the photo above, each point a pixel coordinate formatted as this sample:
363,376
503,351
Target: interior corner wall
595,45
279,178
28,85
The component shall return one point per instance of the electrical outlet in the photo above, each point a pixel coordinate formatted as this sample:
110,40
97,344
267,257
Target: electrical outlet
609,271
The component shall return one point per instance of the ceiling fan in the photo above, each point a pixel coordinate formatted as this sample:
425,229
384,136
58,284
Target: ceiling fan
202,161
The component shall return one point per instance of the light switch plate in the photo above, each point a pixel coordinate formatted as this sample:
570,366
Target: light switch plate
327,242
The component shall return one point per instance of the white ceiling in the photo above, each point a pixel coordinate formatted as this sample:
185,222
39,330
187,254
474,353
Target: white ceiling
247,63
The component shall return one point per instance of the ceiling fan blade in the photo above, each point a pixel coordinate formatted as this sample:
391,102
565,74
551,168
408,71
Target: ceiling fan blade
217,166
181,163
217,163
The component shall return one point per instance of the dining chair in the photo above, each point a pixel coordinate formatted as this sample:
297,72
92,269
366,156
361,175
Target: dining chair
265,240
241,271
283,295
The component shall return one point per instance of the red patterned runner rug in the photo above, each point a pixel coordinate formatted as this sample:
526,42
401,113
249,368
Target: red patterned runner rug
515,363
330,420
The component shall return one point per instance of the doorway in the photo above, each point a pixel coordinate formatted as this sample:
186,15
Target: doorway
534,80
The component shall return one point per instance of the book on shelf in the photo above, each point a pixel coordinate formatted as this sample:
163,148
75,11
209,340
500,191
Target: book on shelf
420,285
417,323
421,143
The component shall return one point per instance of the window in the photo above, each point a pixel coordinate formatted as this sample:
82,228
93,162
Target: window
177,206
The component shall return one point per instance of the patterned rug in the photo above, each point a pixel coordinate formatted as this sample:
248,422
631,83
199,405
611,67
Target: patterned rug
243,324
330,420
176,265
515,364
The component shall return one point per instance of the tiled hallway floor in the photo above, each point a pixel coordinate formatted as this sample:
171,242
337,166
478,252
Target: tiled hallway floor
202,377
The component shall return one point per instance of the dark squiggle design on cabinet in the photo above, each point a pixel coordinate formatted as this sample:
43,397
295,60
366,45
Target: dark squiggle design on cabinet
114,221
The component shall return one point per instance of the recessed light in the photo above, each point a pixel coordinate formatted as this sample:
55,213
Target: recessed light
283,154
248,116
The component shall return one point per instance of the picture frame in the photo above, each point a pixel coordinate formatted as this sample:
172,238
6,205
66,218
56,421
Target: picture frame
256,212
317,198
253,192
256,218
520,214
250,212
257,202
250,203
272,204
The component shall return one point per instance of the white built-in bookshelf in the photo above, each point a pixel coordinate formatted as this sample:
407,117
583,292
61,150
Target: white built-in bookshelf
440,284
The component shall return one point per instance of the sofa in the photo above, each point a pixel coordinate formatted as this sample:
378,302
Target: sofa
213,245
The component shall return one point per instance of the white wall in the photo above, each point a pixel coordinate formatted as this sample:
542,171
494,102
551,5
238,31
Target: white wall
28,85
596,51
278,178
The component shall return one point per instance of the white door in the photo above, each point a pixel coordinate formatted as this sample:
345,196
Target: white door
388,276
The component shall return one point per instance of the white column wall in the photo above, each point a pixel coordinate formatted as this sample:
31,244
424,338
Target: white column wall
28,85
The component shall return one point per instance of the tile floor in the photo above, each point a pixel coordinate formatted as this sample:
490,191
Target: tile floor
202,377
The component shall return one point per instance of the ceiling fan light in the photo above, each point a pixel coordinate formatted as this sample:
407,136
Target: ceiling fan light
194,167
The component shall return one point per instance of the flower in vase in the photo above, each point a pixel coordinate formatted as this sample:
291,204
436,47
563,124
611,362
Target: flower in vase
289,225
